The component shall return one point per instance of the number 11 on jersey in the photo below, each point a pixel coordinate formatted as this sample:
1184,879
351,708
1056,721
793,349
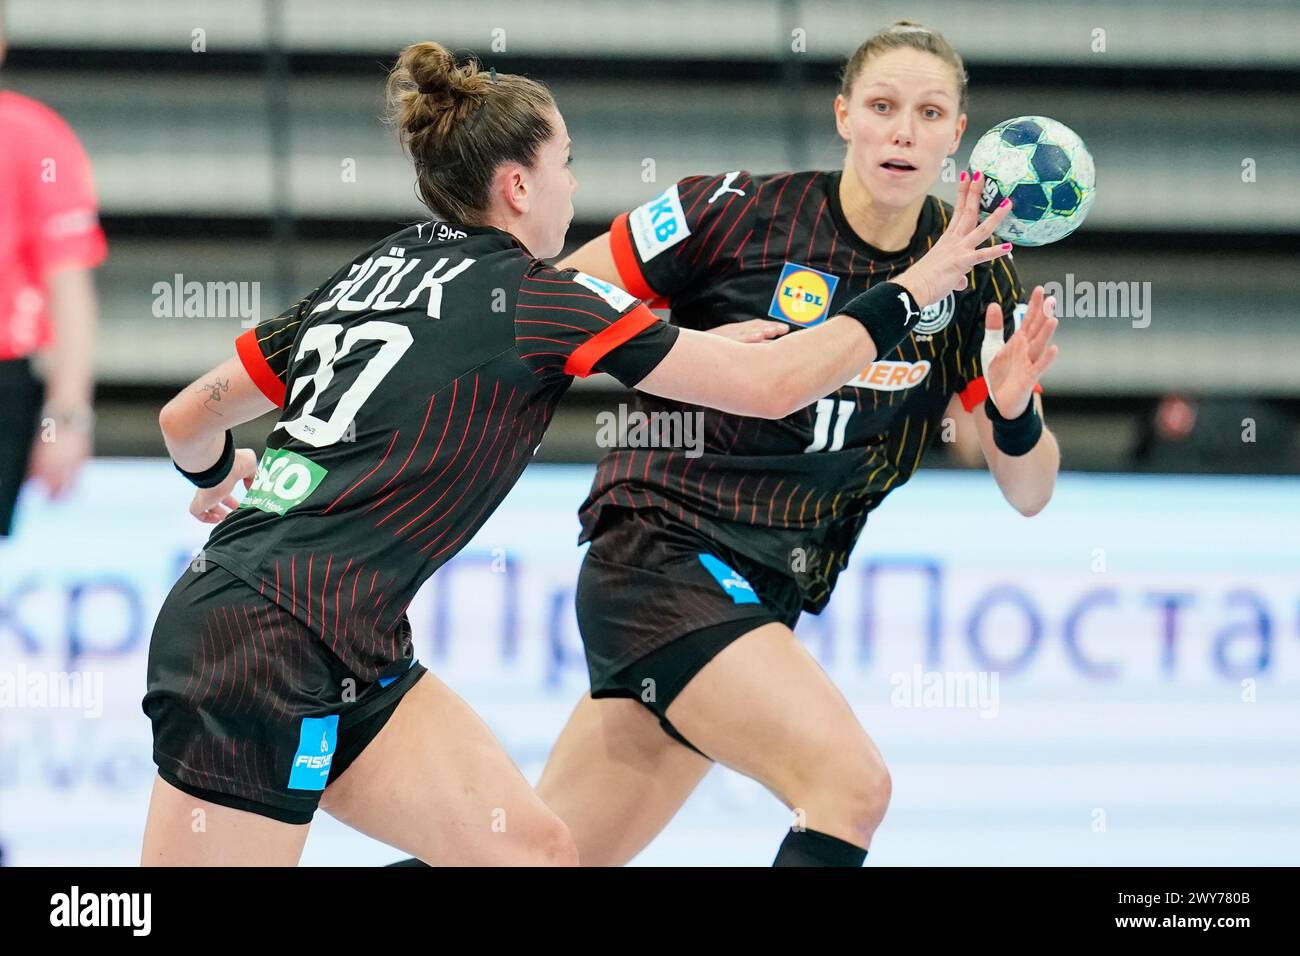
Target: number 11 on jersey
830,410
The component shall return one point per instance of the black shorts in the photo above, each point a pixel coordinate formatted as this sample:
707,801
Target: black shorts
250,709
21,394
656,601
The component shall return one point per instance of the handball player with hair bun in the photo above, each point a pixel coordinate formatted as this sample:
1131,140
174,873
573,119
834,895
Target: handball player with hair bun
412,395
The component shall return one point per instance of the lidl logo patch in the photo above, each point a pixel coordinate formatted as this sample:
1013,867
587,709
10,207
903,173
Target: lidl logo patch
738,589
803,295
283,481
317,740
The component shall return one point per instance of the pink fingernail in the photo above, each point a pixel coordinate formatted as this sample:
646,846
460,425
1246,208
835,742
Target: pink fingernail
978,174
963,175
1004,202
1006,245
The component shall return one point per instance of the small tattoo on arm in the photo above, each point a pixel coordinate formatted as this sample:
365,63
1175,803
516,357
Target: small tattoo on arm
215,388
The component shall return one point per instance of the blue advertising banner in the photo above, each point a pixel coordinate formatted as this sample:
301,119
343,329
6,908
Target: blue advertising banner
1114,681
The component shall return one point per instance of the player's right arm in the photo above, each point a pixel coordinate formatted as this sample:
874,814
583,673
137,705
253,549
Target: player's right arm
194,431
243,387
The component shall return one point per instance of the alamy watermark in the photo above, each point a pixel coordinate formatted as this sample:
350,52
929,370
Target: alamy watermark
637,429
1084,299
179,299
53,690
133,911
976,690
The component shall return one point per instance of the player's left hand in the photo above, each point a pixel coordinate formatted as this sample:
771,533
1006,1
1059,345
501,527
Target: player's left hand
211,505
753,330
1023,358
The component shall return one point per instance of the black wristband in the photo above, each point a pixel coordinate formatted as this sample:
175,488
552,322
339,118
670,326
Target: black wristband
888,313
1015,436
211,477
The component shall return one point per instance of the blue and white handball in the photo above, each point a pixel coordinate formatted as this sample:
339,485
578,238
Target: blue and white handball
1047,172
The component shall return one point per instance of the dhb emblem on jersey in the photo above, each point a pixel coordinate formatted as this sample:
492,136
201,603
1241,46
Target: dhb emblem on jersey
439,231
616,297
803,295
936,316
316,742
738,589
659,224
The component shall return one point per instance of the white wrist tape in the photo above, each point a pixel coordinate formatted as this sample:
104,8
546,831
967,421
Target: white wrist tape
991,348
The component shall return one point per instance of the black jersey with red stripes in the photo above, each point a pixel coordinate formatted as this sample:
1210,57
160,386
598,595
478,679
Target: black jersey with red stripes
793,494
415,385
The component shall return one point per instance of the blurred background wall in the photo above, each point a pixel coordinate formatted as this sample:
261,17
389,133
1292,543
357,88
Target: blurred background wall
241,141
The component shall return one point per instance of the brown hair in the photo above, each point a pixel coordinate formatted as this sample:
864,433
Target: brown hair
459,123
904,34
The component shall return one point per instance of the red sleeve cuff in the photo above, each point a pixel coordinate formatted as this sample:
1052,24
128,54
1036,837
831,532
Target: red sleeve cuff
84,252
978,390
584,358
267,382
629,270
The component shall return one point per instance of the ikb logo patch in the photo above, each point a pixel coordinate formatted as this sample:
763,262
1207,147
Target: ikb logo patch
803,295
283,481
738,589
316,742
659,224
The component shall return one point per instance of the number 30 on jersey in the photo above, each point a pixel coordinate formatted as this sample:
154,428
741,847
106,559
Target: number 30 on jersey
324,339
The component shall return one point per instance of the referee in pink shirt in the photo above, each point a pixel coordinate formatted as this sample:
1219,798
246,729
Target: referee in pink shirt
50,241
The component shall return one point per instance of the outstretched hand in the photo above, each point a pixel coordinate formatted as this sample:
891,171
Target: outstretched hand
1021,361
946,267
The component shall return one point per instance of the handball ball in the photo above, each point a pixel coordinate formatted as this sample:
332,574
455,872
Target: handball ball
1045,170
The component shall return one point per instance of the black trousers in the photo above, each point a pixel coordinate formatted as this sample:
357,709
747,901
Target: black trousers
21,395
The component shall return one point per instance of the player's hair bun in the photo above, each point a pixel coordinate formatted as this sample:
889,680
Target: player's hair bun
459,122
429,93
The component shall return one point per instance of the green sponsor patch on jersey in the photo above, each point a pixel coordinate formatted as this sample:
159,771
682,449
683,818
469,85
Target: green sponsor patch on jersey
283,481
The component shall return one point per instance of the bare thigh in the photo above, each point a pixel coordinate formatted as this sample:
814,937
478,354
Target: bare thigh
436,783
765,708
185,831
616,778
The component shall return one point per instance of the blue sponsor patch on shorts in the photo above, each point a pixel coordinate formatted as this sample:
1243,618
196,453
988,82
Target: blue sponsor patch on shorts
317,740
738,589
385,681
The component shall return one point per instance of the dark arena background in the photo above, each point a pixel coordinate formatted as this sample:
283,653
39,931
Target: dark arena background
1112,682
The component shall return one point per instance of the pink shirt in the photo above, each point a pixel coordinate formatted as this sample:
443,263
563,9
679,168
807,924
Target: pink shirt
48,218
